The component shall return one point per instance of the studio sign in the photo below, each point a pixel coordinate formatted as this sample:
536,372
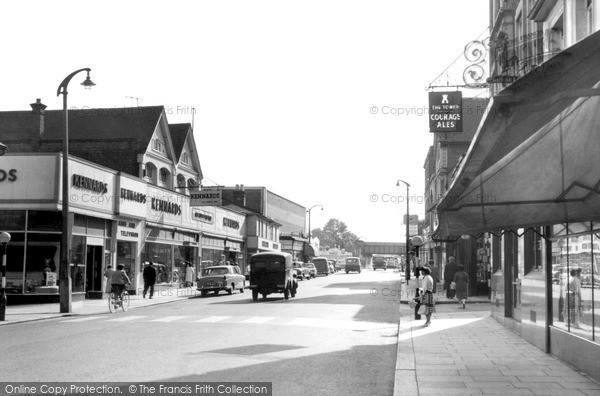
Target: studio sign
10,175
89,184
165,206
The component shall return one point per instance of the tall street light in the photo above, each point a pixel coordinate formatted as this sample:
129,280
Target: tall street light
308,211
407,266
65,240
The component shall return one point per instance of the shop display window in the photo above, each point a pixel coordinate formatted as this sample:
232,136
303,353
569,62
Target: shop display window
162,257
12,220
575,285
15,251
126,252
42,263
77,263
40,220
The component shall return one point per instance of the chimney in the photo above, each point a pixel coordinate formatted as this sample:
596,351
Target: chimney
38,109
239,195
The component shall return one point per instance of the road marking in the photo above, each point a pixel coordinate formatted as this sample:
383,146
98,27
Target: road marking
302,322
212,319
258,319
125,319
168,319
81,319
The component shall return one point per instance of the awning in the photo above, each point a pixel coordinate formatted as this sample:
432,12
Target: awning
535,157
309,250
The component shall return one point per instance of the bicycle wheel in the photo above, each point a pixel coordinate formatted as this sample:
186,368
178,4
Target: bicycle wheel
112,302
124,300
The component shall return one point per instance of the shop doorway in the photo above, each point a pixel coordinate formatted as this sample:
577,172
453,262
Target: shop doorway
93,271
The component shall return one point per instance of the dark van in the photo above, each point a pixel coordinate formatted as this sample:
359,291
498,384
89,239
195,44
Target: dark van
322,265
379,262
353,264
272,272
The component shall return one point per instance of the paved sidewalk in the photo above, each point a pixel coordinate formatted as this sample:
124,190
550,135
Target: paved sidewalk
408,293
32,312
466,352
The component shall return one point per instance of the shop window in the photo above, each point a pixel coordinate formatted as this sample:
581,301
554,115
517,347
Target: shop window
39,220
77,263
126,252
42,263
12,220
15,252
162,257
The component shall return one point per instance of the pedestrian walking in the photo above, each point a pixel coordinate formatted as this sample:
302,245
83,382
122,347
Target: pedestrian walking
449,272
108,273
461,278
189,275
427,294
149,275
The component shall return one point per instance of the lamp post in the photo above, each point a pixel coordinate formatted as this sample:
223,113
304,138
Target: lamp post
65,240
308,211
4,239
407,266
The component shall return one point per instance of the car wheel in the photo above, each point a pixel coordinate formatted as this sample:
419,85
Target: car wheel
242,290
264,295
255,295
347,271
204,293
216,292
230,290
286,294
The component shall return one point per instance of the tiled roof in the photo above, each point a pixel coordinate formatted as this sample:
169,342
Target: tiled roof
111,137
179,133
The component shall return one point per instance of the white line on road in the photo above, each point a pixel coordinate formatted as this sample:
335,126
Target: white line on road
302,322
168,319
81,319
125,319
258,319
212,319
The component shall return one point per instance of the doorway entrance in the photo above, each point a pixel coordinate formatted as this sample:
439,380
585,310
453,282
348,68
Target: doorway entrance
93,271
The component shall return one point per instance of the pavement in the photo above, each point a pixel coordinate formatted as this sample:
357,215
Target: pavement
463,352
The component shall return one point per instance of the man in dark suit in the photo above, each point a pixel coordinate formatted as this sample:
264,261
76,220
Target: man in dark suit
149,274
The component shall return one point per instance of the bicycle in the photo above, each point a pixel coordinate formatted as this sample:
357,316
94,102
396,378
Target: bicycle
118,301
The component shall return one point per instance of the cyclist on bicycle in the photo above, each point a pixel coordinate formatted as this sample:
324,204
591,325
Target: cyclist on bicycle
119,281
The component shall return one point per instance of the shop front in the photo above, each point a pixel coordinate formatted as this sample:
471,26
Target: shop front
530,181
222,236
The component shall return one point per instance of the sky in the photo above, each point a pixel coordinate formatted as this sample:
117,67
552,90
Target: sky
322,102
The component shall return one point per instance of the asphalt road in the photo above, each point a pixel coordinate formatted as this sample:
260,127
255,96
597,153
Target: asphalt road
336,337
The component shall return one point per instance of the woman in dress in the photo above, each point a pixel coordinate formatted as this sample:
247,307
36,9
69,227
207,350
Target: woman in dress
427,296
461,279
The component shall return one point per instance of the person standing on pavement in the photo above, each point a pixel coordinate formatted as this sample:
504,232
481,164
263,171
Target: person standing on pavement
449,272
435,274
189,275
574,300
461,278
427,294
149,275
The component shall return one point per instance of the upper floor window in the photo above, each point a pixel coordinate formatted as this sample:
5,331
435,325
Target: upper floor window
157,145
185,158
164,174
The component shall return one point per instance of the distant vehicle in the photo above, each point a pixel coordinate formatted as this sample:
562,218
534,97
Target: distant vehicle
331,267
336,264
379,262
312,270
272,272
302,272
322,265
353,264
225,277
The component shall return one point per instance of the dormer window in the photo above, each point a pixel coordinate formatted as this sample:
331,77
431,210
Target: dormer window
185,158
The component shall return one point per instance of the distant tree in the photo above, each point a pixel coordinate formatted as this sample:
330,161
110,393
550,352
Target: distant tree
335,234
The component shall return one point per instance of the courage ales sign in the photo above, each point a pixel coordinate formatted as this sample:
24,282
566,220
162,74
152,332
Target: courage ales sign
445,111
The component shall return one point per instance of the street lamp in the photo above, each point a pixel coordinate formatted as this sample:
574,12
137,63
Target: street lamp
3,148
308,211
407,266
4,239
65,241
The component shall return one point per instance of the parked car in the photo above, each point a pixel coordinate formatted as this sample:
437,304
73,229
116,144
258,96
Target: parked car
222,277
272,272
302,272
312,270
322,265
353,264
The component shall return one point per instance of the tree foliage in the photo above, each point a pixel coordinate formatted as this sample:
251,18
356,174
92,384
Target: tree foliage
335,234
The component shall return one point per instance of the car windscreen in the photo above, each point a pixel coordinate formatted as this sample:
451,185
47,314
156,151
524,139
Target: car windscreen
268,265
214,271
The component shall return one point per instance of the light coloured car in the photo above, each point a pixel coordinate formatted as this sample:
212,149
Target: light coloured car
301,272
312,270
222,277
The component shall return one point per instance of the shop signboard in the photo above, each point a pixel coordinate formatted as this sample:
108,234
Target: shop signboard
128,230
169,208
132,196
445,111
27,177
91,187
203,216
206,197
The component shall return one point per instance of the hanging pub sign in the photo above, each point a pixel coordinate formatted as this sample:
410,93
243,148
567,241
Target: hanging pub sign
445,111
